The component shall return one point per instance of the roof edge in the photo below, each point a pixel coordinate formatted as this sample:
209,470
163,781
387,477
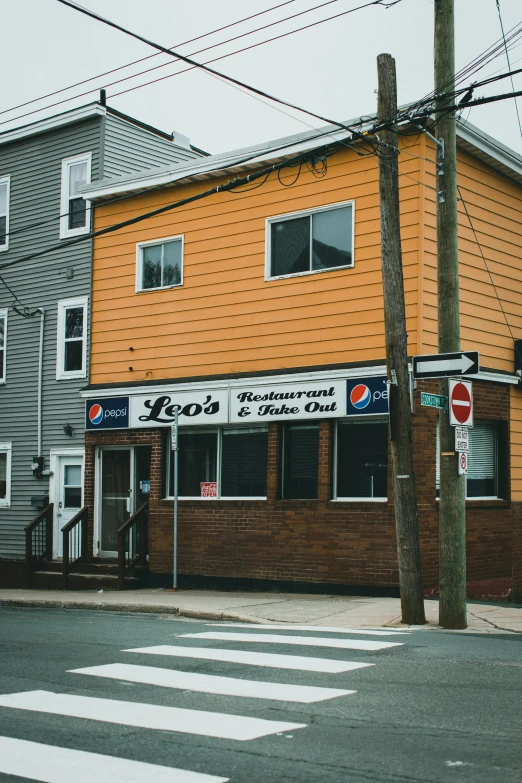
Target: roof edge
57,121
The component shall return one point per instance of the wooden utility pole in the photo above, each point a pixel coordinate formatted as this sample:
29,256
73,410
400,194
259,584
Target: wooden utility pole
401,427
452,510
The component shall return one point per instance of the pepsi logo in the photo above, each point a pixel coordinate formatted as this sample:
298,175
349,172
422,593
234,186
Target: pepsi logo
96,414
360,396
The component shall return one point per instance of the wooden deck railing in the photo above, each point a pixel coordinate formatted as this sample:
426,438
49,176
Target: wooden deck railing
39,540
75,542
132,543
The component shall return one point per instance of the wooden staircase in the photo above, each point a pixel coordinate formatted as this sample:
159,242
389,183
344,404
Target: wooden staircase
76,571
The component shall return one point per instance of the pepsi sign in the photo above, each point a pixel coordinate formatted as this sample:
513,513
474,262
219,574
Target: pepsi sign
367,396
107,414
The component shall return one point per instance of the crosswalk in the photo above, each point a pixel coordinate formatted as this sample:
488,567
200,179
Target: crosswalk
53,764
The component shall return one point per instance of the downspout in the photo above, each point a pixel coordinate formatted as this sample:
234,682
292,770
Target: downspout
40,378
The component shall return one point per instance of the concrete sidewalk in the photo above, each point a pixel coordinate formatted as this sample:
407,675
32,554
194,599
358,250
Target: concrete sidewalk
331,610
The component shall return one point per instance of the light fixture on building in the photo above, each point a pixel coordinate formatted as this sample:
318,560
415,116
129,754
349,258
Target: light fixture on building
68,430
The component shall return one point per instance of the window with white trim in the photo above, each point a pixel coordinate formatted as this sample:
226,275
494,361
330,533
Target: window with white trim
3,344
5,184
486,477
222,462
316,240
360,460
5,474
74,209
71,354
159,264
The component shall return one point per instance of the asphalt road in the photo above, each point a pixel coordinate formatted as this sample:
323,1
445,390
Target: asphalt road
435,707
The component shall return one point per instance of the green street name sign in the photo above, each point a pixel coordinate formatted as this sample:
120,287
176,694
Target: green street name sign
434,401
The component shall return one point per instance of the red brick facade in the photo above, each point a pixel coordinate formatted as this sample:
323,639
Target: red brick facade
317,541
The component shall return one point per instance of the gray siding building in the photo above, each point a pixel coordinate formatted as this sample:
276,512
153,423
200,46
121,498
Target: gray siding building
44,301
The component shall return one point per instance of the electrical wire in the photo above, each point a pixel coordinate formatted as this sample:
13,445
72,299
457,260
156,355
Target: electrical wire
142,59
17,305
192,54
463,202
509,66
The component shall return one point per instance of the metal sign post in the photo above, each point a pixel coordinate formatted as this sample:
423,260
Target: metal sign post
174,445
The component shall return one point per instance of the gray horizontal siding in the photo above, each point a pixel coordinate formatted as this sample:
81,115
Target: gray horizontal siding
129,148
34,165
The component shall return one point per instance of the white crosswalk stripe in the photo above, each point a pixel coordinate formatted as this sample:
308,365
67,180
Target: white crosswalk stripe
270,660
256,638
312,628
148,716
209,683
52,764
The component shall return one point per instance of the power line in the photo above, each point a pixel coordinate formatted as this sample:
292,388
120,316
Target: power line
212,71
461,197
509,66
140,60
176,73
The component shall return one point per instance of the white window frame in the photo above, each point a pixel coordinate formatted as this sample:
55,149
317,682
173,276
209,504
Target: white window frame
139,268
208,431
7,448
335,498
6,181
3,314
63,305
65,231
304,213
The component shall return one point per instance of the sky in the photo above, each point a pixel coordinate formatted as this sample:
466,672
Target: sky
329,68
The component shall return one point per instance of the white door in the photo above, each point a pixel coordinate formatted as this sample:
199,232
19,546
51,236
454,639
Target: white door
68,498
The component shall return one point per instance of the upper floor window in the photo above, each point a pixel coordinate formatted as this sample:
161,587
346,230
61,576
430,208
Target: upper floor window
159,264
4,212
3,346
74,209
5,474
71,355
311,241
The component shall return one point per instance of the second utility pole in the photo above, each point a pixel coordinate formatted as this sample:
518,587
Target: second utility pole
452,509
401,427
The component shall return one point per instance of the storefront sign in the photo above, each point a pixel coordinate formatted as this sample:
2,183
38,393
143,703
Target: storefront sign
107,414
288,401
367,396
194,407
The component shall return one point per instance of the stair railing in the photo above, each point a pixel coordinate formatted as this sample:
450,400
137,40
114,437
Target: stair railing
132,543
39,540
75,542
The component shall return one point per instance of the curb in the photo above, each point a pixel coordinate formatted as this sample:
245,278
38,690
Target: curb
138,608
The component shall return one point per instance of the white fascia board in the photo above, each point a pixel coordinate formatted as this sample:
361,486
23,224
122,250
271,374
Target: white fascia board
490,146
494,377
234,383
50,123
215,164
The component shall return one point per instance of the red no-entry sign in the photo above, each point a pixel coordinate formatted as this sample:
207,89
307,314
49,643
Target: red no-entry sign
460,403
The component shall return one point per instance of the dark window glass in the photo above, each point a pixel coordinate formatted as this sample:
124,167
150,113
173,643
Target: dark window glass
3,224
332,238
171,263
244,463
151,266
73,356
77,212
1,364
300,461
73,497
290,246
362,459
73,322
3,475
197,462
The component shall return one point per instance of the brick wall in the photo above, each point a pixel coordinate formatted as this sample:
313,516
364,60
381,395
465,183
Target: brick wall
319,541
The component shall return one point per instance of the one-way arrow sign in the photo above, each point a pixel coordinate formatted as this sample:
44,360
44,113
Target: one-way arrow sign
444,365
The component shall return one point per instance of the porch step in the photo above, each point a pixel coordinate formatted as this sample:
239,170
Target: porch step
100,574
81,581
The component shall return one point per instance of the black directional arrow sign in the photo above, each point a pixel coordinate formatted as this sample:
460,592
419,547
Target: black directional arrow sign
446,365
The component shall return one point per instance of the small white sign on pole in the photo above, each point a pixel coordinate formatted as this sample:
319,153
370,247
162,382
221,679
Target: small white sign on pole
463,463
174,437
461,439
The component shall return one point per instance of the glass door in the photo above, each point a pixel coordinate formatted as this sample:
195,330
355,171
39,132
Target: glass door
116,495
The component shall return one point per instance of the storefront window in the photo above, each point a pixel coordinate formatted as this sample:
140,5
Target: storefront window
361,464
486,468
222,462
299,461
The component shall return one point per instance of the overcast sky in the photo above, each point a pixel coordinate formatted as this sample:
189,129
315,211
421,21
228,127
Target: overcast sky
329,68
